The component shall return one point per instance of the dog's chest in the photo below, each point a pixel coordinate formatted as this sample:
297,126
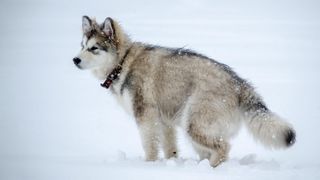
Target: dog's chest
124,98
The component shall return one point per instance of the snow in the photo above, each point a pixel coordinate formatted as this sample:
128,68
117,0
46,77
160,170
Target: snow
247,167
56,122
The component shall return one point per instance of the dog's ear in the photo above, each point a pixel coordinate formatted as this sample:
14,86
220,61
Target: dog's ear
86,24
107,27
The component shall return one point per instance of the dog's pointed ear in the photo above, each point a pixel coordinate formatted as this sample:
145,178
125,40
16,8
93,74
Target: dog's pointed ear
107,27
86,24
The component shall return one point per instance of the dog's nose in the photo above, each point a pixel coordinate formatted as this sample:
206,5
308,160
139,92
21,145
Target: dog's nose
76,60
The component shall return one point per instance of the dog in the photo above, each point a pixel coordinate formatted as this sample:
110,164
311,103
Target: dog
165,88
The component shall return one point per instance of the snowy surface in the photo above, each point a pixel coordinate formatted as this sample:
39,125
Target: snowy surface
56,122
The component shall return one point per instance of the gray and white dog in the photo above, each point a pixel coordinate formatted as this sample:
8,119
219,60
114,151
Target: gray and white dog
164,88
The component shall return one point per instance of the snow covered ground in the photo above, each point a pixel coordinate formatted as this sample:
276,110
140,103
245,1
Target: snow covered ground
56,122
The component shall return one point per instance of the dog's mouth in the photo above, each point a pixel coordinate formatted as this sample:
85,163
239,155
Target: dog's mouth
78,66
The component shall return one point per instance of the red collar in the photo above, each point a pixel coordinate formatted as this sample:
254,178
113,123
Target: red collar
112,76
115,73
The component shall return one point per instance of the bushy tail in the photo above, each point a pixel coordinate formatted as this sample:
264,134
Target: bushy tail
266,127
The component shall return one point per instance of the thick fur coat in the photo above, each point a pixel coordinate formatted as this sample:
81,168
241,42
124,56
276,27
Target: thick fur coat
165,87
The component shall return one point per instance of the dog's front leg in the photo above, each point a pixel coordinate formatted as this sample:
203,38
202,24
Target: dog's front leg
168,140
149,131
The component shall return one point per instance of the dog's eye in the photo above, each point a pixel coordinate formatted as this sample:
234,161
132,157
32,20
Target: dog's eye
93,48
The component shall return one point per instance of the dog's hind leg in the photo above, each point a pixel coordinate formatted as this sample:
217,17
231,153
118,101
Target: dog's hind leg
208,131
207,147
220,153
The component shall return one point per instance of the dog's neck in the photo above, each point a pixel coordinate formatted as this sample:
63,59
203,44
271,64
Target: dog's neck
100,73
115,73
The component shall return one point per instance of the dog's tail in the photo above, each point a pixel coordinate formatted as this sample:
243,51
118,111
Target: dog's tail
266,127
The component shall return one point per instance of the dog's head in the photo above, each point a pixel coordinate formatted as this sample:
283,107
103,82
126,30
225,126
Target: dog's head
99,44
